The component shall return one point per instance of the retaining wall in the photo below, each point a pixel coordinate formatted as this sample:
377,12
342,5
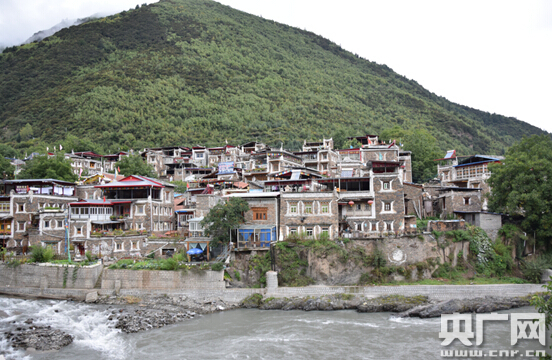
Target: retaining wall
162,280
46,276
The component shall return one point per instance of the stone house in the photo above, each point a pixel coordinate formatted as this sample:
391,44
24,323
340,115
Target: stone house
467,171
462,202
261,221
166,159
319,156
311,213
36,212
150,202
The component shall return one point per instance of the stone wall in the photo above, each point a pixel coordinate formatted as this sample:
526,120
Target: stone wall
445,225
205,202
172,280
407,252
50,276
271,206
413,193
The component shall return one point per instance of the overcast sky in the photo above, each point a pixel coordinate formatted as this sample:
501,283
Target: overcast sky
495,56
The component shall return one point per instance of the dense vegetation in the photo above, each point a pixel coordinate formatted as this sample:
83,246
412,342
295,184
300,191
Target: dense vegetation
44,167
181,72
521,187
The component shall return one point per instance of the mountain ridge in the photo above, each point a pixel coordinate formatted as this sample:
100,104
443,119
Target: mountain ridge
184,72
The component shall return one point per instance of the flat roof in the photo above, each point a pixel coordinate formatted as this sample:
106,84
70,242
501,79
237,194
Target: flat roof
35,181
254,194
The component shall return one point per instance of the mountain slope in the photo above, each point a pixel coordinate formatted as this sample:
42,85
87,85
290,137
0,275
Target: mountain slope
182,72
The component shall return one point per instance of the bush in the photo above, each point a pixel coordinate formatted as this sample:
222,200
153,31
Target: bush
533,269
41,254
218,266
365,279
89,257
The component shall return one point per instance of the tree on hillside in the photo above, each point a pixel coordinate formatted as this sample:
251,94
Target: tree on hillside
42,167
26,132
135,165
424,150
7,151
520,185
6,169
179,187
224,217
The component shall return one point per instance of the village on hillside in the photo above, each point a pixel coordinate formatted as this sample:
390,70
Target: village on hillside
356,193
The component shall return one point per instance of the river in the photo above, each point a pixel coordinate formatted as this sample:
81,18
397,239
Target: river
248,334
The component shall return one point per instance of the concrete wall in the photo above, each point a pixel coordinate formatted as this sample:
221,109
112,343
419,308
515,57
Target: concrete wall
169,280
49,276
491,223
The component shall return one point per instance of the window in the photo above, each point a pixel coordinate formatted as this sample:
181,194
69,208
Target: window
325,231
20,207
467,200
386,185
374,226
21,226
259,213
358,206
140,209
325,208
199,155
60,223
46,223
310,232
155,210
308,208
387,206
293,208
5,207
293,230
389,226
358,227
79,230
444,203
368,207
119,246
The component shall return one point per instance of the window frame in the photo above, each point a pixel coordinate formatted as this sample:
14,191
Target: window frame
259,214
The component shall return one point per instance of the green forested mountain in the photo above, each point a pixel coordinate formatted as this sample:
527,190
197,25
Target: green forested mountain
182,72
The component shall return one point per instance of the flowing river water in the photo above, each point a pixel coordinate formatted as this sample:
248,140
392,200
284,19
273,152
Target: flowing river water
250,334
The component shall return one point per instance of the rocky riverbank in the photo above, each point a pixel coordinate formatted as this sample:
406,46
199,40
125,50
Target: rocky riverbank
403,306
133,314
40,338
